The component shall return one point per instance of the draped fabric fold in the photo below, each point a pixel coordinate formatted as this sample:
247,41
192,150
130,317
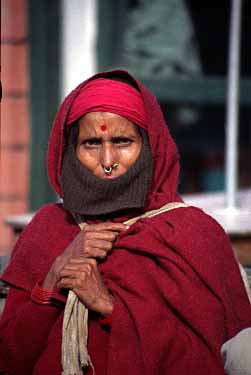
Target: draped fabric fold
75,355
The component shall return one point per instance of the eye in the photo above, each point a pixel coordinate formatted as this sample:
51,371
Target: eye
91,142
122,141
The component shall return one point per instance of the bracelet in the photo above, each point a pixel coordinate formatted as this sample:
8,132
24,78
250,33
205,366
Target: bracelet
40,295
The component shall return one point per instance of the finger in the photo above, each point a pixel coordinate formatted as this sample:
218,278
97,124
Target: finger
91,261
103,235
96,253
73,272
77,270
98,244
79,285
117,227
66,282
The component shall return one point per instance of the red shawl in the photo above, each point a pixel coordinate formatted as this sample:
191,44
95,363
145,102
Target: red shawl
178,291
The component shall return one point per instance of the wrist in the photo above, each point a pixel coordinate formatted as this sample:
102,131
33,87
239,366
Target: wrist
49,282
107,306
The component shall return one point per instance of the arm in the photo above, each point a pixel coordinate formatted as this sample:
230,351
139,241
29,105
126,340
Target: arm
83,277
77,267
24,329
25,324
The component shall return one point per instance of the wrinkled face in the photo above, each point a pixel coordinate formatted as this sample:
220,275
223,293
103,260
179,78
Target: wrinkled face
107,141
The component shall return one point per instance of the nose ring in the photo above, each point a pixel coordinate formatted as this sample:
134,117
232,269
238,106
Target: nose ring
108,170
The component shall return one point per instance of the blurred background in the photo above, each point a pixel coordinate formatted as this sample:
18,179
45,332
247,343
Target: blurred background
178,48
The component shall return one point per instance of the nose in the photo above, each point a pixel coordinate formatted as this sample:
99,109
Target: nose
108,155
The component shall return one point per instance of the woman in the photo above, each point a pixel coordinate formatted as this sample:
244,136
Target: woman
164,293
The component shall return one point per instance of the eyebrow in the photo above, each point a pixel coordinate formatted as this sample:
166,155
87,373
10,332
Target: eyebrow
119,135
94,138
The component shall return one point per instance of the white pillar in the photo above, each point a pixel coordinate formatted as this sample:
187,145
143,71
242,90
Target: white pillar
232,121
78,42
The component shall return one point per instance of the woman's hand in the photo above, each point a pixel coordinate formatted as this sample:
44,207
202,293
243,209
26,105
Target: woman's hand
94,241
98,238
83,277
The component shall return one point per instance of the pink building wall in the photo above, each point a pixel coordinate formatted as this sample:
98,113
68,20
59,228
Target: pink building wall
15,121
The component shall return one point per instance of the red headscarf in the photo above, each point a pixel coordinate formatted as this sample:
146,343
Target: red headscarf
138,105
106,95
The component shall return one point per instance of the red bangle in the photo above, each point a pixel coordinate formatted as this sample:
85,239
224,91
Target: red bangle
107,321
40,295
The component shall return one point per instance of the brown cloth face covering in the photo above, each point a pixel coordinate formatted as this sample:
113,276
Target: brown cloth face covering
86,194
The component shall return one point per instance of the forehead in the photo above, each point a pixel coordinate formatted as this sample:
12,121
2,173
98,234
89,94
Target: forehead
100,122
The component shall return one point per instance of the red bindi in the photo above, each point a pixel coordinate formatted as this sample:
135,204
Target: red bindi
103,127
